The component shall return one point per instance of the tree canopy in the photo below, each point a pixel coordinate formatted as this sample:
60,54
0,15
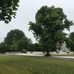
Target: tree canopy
8,9
16,40
49,25
14,35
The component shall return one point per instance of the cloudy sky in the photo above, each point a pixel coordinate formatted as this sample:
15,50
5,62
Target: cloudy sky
26,12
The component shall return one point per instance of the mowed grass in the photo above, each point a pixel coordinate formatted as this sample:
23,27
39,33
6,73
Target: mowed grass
35,65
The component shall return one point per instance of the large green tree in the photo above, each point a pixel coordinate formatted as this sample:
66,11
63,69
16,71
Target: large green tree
48,27
12,38
14,35
8,9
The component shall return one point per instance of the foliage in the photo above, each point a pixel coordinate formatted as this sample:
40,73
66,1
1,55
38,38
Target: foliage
2,47
70,41
23,44
13,35
34,47
8,9
16,40
49,26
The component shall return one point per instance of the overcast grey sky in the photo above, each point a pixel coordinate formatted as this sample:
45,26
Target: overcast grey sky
26,12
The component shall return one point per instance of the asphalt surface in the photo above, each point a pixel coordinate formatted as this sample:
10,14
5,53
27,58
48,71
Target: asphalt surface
65,57
24,54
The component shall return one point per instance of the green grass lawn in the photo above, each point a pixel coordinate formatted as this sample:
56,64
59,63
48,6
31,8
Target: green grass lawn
35,65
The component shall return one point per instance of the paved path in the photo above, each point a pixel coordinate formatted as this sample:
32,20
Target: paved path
63,57
66,57
24,54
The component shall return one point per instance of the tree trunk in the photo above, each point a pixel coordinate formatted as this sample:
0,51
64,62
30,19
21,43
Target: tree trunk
47,53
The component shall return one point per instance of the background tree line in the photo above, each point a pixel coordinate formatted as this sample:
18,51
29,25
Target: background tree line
16,41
